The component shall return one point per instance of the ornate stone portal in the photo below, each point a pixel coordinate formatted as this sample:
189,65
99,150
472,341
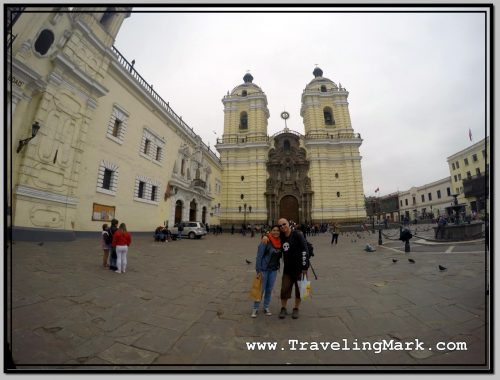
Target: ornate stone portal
288,188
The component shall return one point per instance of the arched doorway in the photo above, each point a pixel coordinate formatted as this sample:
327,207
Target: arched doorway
289,208
192,211
178,212
204,214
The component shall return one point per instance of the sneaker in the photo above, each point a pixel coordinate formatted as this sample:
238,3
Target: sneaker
282,313
118,271
267,311
295,313
254,313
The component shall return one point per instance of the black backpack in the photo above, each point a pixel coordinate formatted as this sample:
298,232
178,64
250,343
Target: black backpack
108,238
310,248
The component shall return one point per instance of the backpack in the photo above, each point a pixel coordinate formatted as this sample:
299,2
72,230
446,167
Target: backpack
310,248
108,238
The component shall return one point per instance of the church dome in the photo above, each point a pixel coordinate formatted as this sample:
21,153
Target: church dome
247,88
320,83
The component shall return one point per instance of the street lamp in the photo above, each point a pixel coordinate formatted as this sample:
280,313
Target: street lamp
34,130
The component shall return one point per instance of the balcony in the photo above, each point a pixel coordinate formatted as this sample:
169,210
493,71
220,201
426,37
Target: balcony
199,183
476,186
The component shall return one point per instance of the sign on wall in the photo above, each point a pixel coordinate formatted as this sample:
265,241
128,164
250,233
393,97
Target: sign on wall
103,212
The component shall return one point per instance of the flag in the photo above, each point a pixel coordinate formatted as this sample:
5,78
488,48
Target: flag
470,135
377,189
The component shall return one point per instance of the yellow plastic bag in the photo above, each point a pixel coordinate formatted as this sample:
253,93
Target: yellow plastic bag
304,287
256,291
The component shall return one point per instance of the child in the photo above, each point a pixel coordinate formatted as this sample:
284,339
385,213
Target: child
106,239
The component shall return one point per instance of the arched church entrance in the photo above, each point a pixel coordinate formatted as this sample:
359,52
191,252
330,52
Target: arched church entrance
178,212
289,208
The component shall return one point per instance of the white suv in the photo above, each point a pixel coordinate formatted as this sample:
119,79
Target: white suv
191,229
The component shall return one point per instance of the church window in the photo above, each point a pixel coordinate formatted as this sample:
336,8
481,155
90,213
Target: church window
323,88
107,178
244,93
286,145
327,113
44,41
243,120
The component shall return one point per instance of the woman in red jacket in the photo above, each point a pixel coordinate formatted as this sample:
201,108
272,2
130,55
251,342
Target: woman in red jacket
121,240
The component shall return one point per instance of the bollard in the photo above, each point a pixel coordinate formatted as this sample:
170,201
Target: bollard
379,237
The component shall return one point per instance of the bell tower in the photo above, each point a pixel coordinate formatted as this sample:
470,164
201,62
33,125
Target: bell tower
333,152
243,152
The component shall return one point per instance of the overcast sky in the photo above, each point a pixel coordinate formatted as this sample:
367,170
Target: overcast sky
416,81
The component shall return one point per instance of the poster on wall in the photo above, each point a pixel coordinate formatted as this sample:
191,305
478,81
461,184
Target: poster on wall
103,212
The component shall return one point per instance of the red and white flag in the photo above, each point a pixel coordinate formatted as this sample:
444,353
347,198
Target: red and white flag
470,135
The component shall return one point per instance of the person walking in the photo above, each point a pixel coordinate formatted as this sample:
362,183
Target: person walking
121,241
267,264
335,230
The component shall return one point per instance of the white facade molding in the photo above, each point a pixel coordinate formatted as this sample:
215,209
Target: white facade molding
45,195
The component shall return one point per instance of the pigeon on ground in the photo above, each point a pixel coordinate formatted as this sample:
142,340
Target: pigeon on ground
411,261
41,243
394,260
442,268
248,261
369,248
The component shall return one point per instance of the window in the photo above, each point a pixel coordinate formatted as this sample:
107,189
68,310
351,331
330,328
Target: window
146,146
423,197
459,177
474,157
439,194
466,161
328,116
406,202
244,93
484,153
457,164
453,166
153,193
338,194
107,178
478,171
455,178
429,196
183,167
116,128
448,191
457,190
336,175
243,120
44,42
323,88
106,181
414,200
286,145
158,154
140,191
117,125
401,203
469,176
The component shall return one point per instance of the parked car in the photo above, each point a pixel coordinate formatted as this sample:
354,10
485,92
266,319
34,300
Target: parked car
193,230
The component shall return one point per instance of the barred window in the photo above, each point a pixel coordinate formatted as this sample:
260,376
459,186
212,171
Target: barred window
146,190
107,178
117,124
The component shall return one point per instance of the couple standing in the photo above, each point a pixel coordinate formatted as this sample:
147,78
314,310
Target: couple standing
292,245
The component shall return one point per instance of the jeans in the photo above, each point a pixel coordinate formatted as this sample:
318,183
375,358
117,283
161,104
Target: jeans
268,279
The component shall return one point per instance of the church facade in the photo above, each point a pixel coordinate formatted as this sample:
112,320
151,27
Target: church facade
108,146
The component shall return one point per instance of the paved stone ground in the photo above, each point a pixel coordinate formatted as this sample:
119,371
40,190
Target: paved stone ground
185,305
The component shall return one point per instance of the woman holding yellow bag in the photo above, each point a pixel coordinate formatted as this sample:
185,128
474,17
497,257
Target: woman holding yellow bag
267,264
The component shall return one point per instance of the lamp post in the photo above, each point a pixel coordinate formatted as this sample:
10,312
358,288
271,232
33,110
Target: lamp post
34,130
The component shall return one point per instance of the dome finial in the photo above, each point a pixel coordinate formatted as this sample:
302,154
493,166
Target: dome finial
317,72
248,78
